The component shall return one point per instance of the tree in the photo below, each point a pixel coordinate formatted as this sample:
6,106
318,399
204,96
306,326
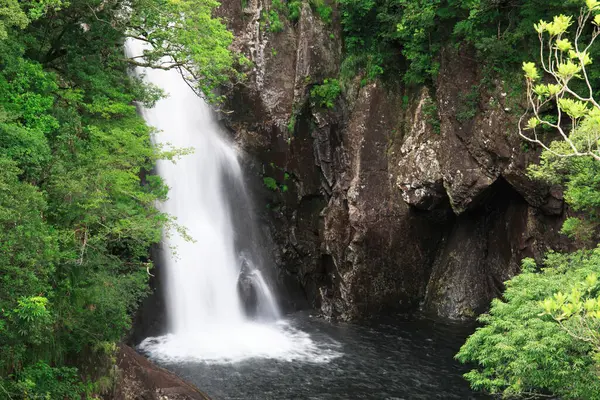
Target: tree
520,351
77,200
543,337
564,61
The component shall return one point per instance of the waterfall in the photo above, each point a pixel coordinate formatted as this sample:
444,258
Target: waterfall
207,271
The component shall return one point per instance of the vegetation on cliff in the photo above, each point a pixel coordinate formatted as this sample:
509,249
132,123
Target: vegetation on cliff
543,337
404,38
77,205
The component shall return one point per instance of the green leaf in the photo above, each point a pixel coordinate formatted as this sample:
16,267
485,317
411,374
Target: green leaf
531,72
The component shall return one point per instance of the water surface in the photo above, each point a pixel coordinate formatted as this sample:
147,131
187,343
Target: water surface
385,359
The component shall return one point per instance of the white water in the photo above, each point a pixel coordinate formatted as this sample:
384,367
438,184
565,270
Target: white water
205,315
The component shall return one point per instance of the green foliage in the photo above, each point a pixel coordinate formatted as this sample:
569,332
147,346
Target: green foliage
323,10
326,94
291,10
291,123
578,312
468,105
270,183
294,8
182,30
404,38
41,381
570,95
271,22
77,203
544,337
395,37
521,350
430,111
18,14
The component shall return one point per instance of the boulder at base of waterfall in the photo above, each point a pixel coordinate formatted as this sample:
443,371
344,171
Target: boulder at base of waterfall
140,379
246,287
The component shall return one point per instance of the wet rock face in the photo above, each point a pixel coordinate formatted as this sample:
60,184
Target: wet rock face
247,291
419,175
381,249
140,379
383,204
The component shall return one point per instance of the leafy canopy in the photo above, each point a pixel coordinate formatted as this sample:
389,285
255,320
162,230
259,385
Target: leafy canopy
521,350
77,202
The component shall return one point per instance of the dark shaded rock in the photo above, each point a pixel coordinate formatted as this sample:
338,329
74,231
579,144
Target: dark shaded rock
482,250
247,291
150,318
140,379
381,249
419,174
381,209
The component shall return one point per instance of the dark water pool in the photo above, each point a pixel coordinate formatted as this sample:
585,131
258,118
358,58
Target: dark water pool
386,359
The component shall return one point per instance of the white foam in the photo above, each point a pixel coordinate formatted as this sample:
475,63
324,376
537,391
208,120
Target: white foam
204,312
235,343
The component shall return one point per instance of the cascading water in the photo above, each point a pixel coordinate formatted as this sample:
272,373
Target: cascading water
207,319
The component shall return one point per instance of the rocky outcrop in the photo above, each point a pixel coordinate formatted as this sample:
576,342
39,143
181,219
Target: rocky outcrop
420,177
247,291
139,379
382,250
393,199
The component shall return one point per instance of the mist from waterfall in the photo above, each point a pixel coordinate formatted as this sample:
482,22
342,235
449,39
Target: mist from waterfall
207,320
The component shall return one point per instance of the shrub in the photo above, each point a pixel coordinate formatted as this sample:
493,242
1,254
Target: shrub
326,94
523,351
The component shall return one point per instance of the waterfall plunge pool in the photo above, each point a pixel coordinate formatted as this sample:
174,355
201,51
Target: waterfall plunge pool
383,359
215,342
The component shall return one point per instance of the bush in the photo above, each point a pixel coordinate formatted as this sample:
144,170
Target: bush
41,381
522,350
404,38
326,94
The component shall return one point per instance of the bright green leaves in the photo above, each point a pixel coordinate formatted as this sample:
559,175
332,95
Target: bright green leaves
578,311
32,314
592,5
520,350
545,91
531,72
77,204
583,57
565,65
574,108
542,338
18,14
563,44
185,32
270,183
271,21
11,15
323,10
533,123
567,70
540,27
326,94
557,27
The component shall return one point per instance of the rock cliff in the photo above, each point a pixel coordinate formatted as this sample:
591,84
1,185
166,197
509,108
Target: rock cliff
395,198
140,379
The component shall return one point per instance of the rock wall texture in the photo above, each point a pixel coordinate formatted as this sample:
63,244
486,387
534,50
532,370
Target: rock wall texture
382,203
139,379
